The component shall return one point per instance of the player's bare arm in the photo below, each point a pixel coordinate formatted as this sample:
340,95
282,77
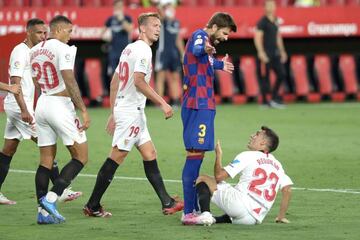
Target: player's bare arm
74,93
13,88
25,115
228,66
114,86
144,88
209,49
219,173
284,205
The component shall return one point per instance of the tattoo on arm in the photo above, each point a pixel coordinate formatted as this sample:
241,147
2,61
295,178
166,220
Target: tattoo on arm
73,89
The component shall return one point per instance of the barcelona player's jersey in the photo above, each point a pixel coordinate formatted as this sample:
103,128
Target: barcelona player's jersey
199,66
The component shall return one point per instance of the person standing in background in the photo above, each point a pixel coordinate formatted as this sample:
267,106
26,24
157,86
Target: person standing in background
117,32
169,53
271,55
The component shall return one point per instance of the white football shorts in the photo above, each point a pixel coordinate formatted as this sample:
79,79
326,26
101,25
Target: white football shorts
15,127
56,117
230,200
131,129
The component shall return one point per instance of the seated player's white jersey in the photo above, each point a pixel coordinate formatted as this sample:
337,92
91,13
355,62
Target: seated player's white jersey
19,66
136,57
47,60
261,177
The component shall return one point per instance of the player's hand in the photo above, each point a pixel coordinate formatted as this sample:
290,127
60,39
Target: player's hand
26,117
218,149
228,66
86,121
110,126
263,57
209,49
167,110
281,220
15,89
283,57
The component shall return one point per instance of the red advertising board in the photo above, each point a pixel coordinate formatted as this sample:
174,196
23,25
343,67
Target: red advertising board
295,22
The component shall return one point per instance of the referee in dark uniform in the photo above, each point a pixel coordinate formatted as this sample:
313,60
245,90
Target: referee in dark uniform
271,55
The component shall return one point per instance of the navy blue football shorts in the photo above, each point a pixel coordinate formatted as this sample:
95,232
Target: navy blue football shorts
198,128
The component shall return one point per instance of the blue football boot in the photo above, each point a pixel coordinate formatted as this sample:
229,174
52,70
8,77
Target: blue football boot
51,208
45,218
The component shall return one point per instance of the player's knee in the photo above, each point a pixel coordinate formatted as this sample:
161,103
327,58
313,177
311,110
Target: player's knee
202,178
150,155
9,149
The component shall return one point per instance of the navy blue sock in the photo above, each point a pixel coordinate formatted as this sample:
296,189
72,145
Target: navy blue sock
189,175
4,167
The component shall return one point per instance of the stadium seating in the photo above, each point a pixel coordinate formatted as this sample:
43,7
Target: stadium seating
93,73
91,3
15,3
322,68
299,70
347,68
72,3
226,83
188,3
248,68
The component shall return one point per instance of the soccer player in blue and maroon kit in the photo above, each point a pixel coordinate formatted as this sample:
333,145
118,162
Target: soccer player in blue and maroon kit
198,107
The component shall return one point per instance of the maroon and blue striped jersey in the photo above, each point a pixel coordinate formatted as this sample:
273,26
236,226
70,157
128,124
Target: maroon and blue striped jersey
198,67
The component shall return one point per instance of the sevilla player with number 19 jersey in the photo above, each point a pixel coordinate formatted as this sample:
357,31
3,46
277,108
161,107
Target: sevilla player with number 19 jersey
127,122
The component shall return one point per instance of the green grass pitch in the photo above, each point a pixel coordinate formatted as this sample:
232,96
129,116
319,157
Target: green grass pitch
319,149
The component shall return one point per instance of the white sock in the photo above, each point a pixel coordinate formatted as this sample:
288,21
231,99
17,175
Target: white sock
51,197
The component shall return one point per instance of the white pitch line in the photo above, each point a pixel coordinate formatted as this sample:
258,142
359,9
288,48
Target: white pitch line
351,191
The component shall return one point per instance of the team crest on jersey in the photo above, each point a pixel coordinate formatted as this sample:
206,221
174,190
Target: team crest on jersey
68,57
211,60
17,64
201,140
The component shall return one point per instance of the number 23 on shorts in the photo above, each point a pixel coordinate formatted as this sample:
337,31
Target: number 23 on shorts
202,132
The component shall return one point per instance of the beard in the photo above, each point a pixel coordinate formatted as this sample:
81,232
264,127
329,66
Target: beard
214,40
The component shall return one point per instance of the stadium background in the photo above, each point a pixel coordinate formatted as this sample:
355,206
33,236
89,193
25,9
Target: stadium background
322,42
319,142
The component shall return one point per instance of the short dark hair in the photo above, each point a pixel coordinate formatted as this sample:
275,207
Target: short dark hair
273,138
59,19
32,22
222,20
142,19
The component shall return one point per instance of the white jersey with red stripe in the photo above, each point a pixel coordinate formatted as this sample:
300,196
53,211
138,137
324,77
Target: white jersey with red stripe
261,176
136,57
47,60
19,66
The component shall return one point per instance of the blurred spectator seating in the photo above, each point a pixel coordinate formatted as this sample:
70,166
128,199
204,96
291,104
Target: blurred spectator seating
348,72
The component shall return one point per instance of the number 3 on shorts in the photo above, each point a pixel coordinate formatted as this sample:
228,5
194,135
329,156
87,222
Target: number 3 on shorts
202,131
